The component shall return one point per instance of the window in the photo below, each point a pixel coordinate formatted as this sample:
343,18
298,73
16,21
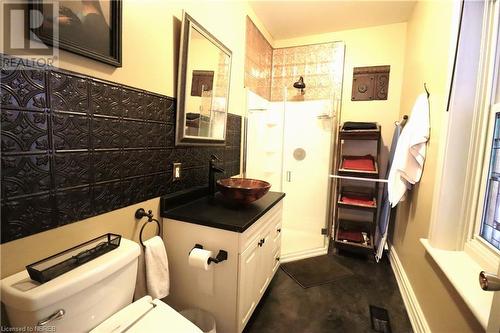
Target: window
486,189
490,224
464,235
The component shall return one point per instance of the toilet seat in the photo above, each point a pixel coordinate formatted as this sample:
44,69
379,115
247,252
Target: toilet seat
146,315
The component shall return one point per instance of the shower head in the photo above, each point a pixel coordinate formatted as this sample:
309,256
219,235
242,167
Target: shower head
300,85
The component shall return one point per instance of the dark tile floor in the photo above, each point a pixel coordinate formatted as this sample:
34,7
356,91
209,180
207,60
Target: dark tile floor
342,306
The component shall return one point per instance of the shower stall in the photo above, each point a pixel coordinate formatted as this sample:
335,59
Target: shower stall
289,141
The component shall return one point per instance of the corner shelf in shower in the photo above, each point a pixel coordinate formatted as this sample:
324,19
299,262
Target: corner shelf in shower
348,232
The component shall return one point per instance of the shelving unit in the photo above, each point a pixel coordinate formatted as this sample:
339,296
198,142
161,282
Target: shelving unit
356,199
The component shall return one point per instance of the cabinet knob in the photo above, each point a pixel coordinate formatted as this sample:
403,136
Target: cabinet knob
278,230
277,258
261,242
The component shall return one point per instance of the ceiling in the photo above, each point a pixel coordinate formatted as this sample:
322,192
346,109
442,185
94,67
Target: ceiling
289,19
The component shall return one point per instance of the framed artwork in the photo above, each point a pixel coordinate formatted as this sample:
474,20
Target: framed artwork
91,28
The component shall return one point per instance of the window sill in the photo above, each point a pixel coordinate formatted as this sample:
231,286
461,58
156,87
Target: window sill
463,273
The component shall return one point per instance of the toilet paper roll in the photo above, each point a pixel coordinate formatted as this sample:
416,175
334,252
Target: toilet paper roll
199,258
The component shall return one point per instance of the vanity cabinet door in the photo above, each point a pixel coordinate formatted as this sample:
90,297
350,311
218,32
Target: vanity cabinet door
265,262
247,284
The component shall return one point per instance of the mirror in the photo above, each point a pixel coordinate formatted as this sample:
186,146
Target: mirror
203,86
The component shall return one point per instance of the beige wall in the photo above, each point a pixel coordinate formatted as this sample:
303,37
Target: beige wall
381,45
150,50
428,60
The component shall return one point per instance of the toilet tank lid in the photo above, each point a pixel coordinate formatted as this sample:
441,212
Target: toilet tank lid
19,291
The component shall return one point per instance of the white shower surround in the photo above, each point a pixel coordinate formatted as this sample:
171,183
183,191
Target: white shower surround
275,130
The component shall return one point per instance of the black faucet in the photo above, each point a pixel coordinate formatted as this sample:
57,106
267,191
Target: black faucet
212,169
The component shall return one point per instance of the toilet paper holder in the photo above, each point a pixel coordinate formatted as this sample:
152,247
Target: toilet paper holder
221,256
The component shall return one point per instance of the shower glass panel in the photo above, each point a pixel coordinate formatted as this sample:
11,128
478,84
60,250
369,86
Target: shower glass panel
289,141
307,146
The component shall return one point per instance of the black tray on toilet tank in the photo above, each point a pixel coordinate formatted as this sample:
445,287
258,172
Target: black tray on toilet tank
62,262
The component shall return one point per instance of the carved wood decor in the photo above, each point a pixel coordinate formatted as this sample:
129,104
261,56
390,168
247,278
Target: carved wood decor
74,146
370,83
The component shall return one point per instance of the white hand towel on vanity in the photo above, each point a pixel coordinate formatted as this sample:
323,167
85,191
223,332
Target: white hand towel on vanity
409,157
156,261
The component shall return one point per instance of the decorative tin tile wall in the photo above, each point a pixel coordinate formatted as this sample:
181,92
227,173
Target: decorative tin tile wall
321,65
258,61
75,147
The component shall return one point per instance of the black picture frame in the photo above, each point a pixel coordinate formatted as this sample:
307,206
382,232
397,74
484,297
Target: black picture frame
115,57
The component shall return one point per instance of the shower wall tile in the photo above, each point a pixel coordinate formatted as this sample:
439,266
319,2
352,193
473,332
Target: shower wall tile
74,147
321,65
258,61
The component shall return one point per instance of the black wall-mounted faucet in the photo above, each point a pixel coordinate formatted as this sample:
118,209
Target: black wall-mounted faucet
212,169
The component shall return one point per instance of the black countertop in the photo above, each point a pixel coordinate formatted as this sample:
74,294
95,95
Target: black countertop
217,212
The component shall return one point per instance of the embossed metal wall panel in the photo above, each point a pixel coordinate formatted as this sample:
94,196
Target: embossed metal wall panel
74,147
370,83
258,61
321,66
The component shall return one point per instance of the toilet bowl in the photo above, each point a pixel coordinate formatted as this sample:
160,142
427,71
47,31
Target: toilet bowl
96,296
146,315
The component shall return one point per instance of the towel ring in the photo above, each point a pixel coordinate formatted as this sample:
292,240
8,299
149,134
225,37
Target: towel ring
141,213
144,225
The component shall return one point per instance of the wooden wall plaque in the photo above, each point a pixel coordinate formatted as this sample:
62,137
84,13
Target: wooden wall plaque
370,83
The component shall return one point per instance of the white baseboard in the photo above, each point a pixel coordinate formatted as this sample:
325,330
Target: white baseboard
303,254
417,318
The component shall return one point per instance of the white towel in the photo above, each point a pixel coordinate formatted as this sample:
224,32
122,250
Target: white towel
409,157
157,277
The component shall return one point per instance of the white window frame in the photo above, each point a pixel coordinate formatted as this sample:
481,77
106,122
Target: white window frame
480,148
454,241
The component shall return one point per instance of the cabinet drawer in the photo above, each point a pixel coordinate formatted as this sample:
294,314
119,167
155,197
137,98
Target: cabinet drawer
271,218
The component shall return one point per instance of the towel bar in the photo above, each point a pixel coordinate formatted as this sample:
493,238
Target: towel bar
359,178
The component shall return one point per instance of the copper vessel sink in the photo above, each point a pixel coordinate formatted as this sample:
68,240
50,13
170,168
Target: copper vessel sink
243,190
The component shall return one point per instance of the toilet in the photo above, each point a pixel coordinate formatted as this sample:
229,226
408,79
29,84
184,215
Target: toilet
96,297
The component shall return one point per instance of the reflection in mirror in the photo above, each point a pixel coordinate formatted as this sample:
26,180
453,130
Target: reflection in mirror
203,89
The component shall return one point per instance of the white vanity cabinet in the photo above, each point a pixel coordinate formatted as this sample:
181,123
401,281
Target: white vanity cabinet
258,261
231,289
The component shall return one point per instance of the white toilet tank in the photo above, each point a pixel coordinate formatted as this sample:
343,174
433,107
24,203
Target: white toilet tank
88,294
